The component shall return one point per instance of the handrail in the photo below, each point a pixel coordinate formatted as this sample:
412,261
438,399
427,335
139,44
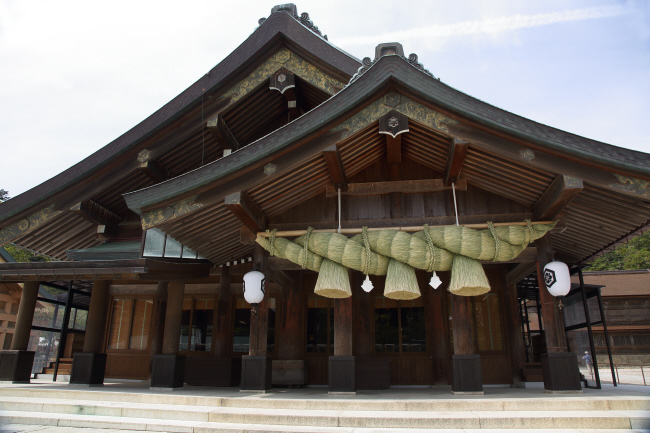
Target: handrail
631,365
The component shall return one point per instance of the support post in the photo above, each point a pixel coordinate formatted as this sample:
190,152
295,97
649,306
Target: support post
466,375
16,363
515,342
560,368
342,369
88,367
256,366
168,369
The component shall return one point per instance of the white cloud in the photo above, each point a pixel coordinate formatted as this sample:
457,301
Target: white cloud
491,25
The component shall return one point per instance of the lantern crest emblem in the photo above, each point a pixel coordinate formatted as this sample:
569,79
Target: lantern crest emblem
549,277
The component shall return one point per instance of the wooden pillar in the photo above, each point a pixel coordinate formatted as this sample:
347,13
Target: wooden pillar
560,368
363,318
221,333
516,347
466,366
257,366
25,315
168,369
16,363
435,310
158,318
96,323
173,317
291,338
88,367
394,152
342,370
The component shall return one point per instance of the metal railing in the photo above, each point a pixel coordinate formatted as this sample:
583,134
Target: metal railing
629,373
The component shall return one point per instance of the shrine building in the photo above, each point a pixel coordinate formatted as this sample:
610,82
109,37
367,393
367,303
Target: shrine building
392,217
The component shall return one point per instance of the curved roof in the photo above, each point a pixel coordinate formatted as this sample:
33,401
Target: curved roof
397,71
280,27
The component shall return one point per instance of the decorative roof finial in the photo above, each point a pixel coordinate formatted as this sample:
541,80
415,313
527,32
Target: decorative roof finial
388,49
292,10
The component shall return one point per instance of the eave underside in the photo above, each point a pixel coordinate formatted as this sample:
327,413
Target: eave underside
594,218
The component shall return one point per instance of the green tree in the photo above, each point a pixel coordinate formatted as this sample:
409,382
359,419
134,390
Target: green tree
634,254
4,195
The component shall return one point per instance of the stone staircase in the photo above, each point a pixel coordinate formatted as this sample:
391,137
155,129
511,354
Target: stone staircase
173,412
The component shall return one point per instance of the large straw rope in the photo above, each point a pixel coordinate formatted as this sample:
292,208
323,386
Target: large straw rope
432,249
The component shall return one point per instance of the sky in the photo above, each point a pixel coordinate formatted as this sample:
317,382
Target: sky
76,74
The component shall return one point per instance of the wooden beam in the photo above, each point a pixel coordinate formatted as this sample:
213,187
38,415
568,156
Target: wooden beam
404,186
521,271
285,82
154,171
248,238
394,149
455,160
244,208
280,277
335,167
217,126
561,191
96,213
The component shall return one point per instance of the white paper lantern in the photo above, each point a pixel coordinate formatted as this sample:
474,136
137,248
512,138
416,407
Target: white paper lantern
254,287
557,278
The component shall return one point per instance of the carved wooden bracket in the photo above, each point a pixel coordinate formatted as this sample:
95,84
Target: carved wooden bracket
559,193
220,131
244,208
335,167
455,160
393,123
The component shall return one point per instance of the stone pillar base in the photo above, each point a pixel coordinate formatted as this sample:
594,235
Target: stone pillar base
256,373
342,374
16,365
168,371
88,368
466,374
561,372
202,371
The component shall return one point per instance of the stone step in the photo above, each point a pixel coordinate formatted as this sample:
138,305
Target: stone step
349,424
324,402
22,410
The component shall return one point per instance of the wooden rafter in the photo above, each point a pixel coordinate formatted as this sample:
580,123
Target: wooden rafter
244,208
106,220
455,160
561,191
335,167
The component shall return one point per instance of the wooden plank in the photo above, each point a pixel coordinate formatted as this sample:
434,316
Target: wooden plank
403,186
559,193
461,316
455,160
222,332
244,208
343,341
291,338
219,129
335,167
521,271
394,149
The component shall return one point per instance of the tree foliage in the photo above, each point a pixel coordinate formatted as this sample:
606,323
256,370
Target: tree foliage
4,195
634,254
22,255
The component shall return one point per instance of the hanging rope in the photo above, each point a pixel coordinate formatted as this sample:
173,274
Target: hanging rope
432,251
497,242
306,248
272,242
366,243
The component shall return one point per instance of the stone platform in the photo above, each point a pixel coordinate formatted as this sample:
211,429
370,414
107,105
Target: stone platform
133,406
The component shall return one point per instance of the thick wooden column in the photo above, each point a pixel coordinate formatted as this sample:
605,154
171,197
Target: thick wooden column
97,316
169,368
16,364
551,314
25,315
466,366
221,332
291,338
342,378
516,347
88,367
435,310
256,366
291,368
158,319
560,368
